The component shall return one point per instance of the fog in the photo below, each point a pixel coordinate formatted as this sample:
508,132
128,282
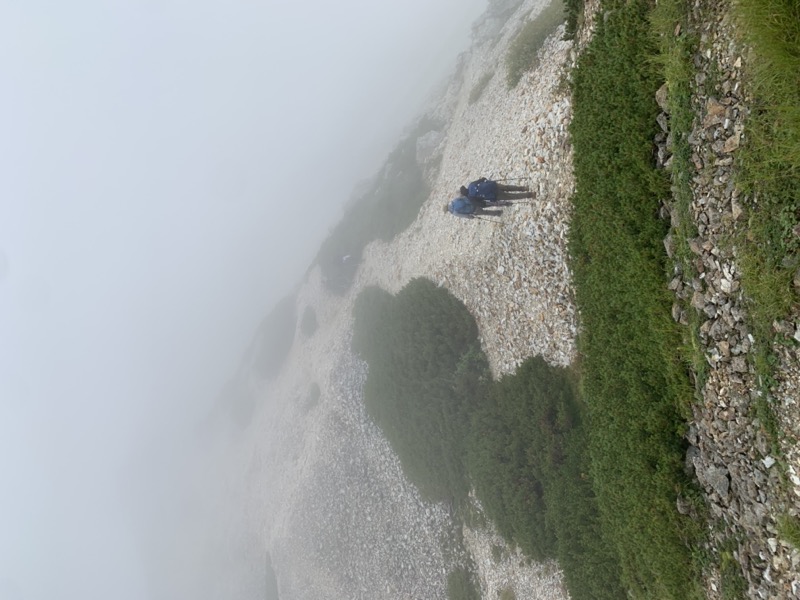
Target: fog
167,172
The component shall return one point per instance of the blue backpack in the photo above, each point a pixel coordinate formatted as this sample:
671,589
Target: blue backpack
462,206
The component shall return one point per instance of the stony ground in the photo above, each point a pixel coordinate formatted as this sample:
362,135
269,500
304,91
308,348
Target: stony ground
748,486
343,521
316,480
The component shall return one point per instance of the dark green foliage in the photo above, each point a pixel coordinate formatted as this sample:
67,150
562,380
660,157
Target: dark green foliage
274,338
521,439
519,433
309,324
426,374
789,529
632,378
575,11
386,209
523,53
530,466
733,585
461,585
769,166
591,566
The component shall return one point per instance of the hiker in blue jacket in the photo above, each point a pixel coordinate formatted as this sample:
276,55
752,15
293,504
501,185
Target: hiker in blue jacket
493,191
469,208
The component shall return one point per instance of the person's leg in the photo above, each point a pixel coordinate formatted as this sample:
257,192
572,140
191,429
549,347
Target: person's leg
504,195
488,212
512,188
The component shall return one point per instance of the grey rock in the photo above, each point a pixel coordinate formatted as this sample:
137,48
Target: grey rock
661,98
715,478
663,121
692,455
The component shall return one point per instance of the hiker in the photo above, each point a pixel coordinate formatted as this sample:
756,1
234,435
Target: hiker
469,208
493,191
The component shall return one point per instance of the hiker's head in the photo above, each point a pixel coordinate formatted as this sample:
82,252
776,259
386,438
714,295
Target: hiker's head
464,191
446,207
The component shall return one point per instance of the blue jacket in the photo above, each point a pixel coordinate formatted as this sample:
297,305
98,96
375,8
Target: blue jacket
485,189
461,207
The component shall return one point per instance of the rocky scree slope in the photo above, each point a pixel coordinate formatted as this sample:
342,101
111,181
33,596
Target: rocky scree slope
747,486
340,519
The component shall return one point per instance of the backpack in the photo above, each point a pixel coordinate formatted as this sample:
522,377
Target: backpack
462,206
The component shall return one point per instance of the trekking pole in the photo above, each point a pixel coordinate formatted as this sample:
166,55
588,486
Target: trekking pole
513,179
487,219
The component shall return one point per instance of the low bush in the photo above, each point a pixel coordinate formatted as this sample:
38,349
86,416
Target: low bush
387,208
426,373
521,441
461,585
524,50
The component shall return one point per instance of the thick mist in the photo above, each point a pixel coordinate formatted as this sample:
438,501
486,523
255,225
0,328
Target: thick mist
167,172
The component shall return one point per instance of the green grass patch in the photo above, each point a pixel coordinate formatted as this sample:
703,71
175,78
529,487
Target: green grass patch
733,585
789,529
633,381
674,62
769,160
524,50
769,174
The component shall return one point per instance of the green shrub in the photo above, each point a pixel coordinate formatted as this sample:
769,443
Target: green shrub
508,594
524,50
574,10
520,441
530,467
426,373
386,209
789,529
461,585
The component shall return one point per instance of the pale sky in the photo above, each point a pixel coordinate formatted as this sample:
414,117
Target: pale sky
168,169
